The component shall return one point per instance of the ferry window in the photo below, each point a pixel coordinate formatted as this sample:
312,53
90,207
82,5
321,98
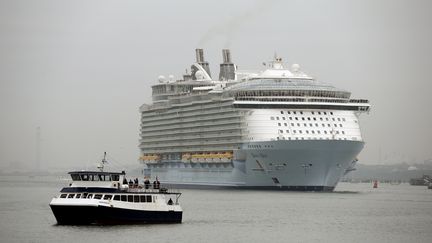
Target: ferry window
325,113
301,112
71,195
287,131
290,118
319,132
340,125
78,196
107,197
123,198
85,177
333,119
117,197
316,124
300,131
303,119
314,119
310,124
63,195
285,124
294,131
313,132
142,198
115,177
271,118
277,118
136,199
98,196
294,112
148,198
279,124
308,118
313,113
289,112
343,119
331,113
281,131
298,124
305,124
101,177
325,132
283,118
321,119
130,198
75,177
319,112
338,119
89,196
343,132
335,125
282,112
327,119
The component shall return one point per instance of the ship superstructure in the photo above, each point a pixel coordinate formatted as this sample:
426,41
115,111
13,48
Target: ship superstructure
276,129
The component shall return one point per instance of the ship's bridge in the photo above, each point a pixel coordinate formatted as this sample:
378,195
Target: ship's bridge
296,93
293,87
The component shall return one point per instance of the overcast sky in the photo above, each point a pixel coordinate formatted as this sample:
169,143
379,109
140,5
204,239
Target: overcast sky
81,69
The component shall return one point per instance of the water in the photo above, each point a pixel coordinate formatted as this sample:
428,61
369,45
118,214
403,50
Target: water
354,213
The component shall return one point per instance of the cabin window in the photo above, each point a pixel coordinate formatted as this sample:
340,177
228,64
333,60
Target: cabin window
75,177
85,177
142,198
71,195
98,196
123,198
78,196
130,198
149,198
63,195
115,177
117,197
136,199
107,197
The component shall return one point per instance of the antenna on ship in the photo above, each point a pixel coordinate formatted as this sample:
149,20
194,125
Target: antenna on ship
102,163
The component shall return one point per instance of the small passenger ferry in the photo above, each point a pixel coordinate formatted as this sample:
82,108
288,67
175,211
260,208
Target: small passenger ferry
99,197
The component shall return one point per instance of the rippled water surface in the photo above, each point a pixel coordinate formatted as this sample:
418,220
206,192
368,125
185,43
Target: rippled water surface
354,213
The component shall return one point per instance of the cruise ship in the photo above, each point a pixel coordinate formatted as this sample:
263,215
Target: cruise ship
277,128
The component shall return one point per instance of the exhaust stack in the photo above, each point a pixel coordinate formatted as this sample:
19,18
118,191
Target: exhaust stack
227,68
200,60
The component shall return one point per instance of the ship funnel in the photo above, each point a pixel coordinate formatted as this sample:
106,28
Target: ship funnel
199,55
227,68
226,54
200,61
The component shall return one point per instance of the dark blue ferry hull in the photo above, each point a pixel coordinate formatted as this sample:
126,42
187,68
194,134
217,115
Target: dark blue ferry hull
83,215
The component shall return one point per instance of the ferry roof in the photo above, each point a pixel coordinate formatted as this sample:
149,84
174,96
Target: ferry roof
283,84
96,172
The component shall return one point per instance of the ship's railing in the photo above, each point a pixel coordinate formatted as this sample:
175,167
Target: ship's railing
204,117
190,131
202,135
205,109
151,188
199,123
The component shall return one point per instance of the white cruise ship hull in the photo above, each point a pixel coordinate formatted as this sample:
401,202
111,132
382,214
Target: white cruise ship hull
306,165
